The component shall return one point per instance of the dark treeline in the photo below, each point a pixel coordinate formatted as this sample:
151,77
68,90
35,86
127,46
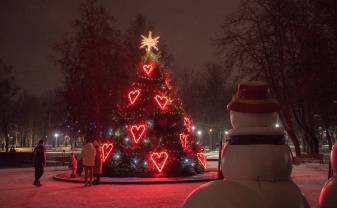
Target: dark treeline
291,44
97,61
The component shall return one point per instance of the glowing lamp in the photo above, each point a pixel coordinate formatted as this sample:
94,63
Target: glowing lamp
133,95
106,150
161,101
159,160
137,132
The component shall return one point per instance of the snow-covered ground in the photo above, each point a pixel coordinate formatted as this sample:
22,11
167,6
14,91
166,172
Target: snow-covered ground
17,191
212,155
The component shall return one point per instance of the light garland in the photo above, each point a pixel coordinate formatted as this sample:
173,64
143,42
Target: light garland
159,160
133,95
106,150
148,68
183,140
161,101
137,132
202,158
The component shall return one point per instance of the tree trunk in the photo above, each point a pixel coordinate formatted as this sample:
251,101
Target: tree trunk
313,143
5,131
288,126
328,137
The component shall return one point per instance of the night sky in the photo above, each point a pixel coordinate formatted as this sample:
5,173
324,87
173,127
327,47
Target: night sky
30,27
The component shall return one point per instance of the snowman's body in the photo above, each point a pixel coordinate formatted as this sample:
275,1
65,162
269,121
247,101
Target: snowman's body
328,196
256,165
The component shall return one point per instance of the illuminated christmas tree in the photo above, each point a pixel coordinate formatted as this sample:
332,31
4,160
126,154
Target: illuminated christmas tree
152,135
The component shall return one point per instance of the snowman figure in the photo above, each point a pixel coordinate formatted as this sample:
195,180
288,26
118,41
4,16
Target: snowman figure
255,161
328,196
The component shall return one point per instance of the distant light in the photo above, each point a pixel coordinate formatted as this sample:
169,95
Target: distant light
193,128
210,130
277,125
56,135
145,164
226,132
199,132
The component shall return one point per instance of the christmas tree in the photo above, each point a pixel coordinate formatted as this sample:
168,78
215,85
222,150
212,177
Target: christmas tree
152,136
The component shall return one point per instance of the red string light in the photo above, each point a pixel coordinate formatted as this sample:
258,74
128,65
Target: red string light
148,68
137,132
187,122
161,101
202,158
133,95
159,160
106,150
183,140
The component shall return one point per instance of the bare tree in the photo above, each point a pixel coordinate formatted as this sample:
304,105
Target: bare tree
280,42
8,90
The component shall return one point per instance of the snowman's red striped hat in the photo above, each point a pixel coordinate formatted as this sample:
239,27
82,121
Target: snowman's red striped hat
253,97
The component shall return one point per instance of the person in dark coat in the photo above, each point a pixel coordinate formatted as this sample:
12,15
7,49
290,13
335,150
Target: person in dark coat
79,169
98,163
39,162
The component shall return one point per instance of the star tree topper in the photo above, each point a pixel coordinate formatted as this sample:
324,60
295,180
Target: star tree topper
149,42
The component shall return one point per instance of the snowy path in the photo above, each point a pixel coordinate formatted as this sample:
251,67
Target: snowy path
16,191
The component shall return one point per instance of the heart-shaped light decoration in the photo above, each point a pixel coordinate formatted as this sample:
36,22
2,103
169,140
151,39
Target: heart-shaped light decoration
161,101
137,132
202,158
159,160
148,69
106,150
183,140
133,95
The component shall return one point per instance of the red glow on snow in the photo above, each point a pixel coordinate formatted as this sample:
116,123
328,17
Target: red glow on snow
148,69
137,132
183,140
106,150
159,160
161,101
202,158
133,95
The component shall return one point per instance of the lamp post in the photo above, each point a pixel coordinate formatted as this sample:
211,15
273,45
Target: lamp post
199,133
56,135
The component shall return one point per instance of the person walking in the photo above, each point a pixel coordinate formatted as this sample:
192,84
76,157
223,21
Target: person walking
98,163
39,162
88,159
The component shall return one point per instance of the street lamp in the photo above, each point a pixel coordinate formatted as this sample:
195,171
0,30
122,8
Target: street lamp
56,135
199,132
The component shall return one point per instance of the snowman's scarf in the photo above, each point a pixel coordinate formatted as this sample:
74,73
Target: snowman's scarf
256,139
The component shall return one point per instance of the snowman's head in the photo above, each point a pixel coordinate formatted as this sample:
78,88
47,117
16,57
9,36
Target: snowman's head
252,106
